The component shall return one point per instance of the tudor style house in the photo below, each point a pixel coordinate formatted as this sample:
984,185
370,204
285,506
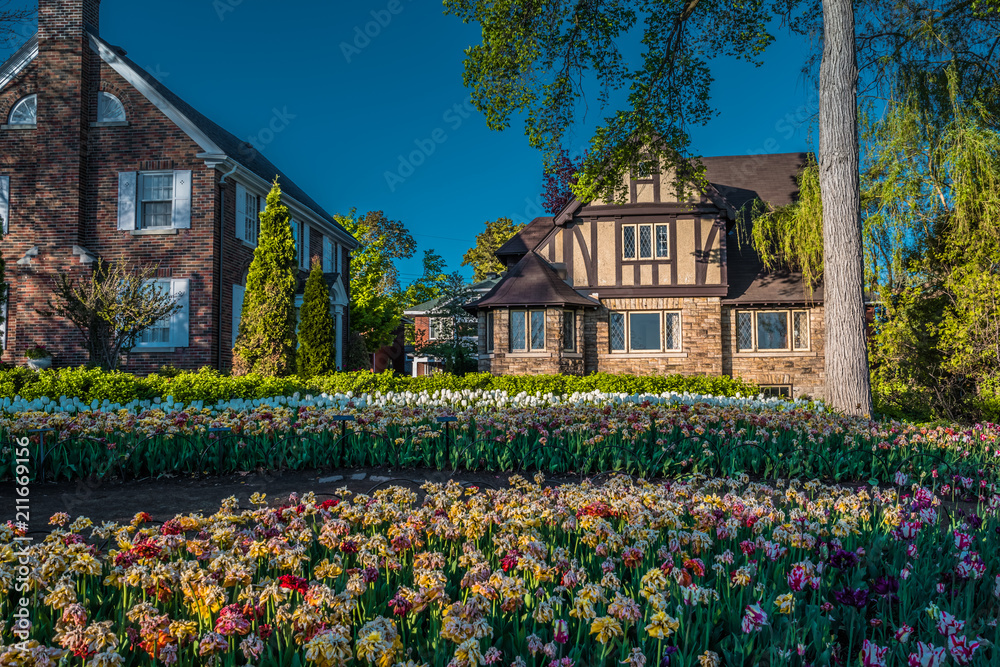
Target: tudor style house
658,285
98,159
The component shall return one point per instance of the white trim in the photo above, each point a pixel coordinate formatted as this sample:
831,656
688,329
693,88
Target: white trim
23,58
338,295
212,154
296,209
151,94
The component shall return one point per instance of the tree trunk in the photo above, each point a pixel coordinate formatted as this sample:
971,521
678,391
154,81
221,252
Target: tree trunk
847,376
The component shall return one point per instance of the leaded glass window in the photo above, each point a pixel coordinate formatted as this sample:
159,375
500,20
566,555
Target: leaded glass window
645,241
672,331
628,242
518,331
616,325
662,241
569,331
538,330
800,330
744,331
490,328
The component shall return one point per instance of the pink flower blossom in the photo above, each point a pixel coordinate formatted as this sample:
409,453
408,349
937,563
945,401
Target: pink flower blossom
948,625
927,655
754,619
961,649
873,655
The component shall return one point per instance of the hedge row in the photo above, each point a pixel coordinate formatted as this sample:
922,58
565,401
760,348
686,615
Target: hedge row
90,384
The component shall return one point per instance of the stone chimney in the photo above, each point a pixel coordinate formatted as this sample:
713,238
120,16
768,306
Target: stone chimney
68,70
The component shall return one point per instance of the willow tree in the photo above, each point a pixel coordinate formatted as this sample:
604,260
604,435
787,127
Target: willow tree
933,193
536,57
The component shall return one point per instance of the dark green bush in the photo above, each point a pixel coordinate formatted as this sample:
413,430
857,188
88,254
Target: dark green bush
209,385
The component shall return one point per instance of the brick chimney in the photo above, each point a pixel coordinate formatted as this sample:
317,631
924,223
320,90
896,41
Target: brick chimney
59,19
66,69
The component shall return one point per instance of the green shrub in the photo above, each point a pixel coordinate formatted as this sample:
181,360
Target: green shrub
317,353
210,386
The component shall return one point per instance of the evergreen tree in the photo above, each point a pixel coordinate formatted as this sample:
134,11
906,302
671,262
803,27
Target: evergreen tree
266,340
317,353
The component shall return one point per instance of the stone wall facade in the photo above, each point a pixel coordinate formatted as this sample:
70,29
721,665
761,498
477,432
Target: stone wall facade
701,338
803,371
708,346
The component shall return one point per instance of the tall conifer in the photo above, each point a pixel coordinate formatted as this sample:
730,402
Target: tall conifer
317,332
266,340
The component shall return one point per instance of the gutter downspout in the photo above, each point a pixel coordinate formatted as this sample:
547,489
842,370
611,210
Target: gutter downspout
222,245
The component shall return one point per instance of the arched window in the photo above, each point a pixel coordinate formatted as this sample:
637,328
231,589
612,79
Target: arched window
109,109
25,112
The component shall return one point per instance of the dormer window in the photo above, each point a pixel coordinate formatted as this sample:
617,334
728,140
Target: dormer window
109,109
25,112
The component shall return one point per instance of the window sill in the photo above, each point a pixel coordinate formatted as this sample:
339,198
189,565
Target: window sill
775,353
529,355
110,123
646,355
571,355
153,349
18,127
166,231
247,244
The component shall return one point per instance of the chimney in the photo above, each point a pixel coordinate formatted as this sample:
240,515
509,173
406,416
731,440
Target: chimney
59,19
68,71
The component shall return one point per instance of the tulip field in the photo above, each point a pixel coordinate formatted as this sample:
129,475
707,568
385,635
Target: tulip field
645,436
698,532
701,572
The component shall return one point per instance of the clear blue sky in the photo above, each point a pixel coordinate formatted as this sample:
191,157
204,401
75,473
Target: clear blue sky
357,110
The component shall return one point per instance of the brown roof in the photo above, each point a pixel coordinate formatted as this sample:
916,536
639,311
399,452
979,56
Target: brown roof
742,178
532,282
528,238
751,283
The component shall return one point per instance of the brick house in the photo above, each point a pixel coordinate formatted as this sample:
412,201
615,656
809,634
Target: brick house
658,286
99,160
435,322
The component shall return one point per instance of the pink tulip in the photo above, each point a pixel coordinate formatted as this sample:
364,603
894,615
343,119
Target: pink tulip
927,655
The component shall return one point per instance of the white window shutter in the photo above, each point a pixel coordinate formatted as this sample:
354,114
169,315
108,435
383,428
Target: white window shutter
306,259
327,255
182,199
126,199
241,213
295,237
336,257
238,292
179,336
5,202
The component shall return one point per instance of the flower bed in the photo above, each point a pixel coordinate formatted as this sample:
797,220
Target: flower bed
703,573
651,436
